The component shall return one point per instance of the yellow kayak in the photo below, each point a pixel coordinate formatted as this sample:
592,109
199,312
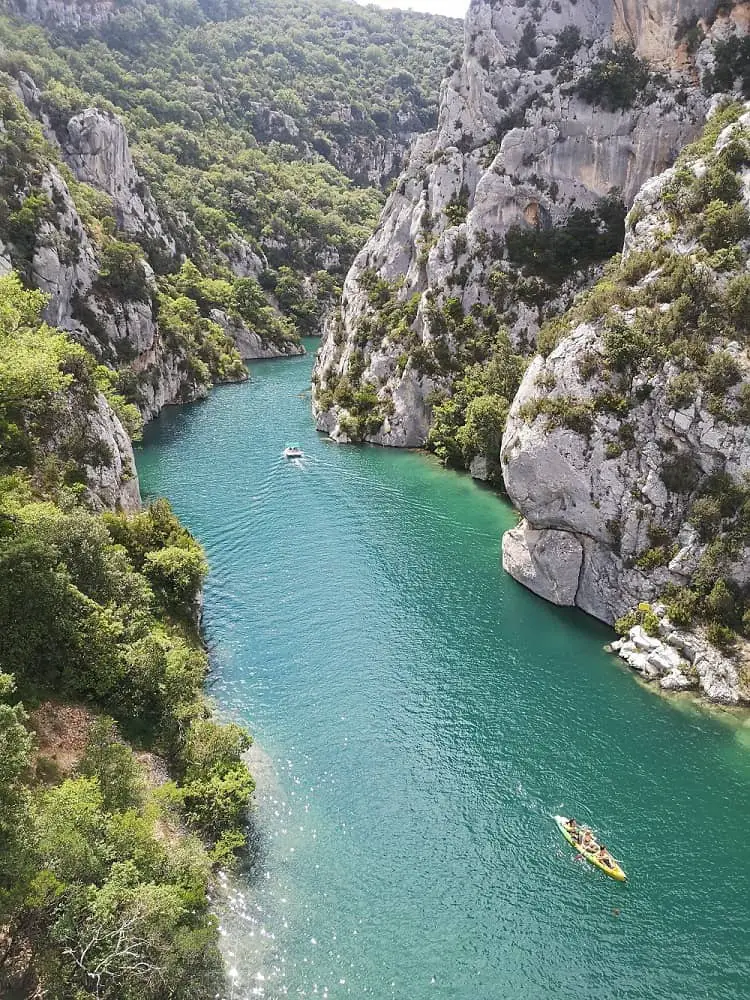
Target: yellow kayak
614,871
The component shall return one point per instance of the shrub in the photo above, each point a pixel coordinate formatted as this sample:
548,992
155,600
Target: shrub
643,616
616,80
706,516
721,636
586,237
122,270
720,226
626,344
682,390
651,558
568,42
721,604
718,183
683,607
737,301
458,207
721,372
177,573
680,474
108,759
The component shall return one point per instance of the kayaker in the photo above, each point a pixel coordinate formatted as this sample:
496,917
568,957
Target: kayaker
605,857
571,826
588,841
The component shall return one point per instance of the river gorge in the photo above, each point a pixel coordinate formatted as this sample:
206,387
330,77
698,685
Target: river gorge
419,718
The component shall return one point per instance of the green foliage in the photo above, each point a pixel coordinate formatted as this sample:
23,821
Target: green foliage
706,516
731,66
617,80
561,412
470,422
211,355
47,388
15,759
457,208
201,91
682,390
586,237
177,574
722,226
721,372
644,616
108,759
682,606
99,608
121,270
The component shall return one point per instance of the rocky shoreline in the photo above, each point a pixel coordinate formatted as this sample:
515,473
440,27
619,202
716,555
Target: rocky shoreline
681,660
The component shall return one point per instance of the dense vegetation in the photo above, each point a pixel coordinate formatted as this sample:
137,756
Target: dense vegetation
617,80
204,90
118,790
102,887
587,237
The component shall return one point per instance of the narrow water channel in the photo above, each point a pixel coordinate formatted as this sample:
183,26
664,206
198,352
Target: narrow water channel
420,718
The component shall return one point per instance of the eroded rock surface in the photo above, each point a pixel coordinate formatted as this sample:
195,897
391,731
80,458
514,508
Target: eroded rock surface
517,144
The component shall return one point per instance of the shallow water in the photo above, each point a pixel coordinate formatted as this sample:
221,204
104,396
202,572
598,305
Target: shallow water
421,718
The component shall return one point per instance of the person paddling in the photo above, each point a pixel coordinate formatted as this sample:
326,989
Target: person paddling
588,842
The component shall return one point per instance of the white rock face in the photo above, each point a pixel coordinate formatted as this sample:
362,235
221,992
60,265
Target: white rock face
566,480
112,481
547,562
96,149
679,661
652,27
6,265
520,147
65,266
113,485
584,486
251,345
63,13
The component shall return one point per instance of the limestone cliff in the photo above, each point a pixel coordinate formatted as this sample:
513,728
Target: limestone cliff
95,270
96,148
627,448
366,159
63,13
543,126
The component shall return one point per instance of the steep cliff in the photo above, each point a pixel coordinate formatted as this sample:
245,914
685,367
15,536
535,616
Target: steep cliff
548,127
63,13
83,227
627,447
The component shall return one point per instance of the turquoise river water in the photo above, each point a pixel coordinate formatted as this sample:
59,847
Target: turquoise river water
419,719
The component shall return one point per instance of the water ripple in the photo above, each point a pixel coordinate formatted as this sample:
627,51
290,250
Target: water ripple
422,719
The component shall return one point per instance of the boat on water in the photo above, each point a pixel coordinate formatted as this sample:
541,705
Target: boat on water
592,851
293,450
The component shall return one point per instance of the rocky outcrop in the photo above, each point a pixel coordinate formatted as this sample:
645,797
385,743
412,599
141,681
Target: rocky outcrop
653,28
627,448
113,484
251,345
63,13
117,329
365,158
521,142
682,661
95,146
